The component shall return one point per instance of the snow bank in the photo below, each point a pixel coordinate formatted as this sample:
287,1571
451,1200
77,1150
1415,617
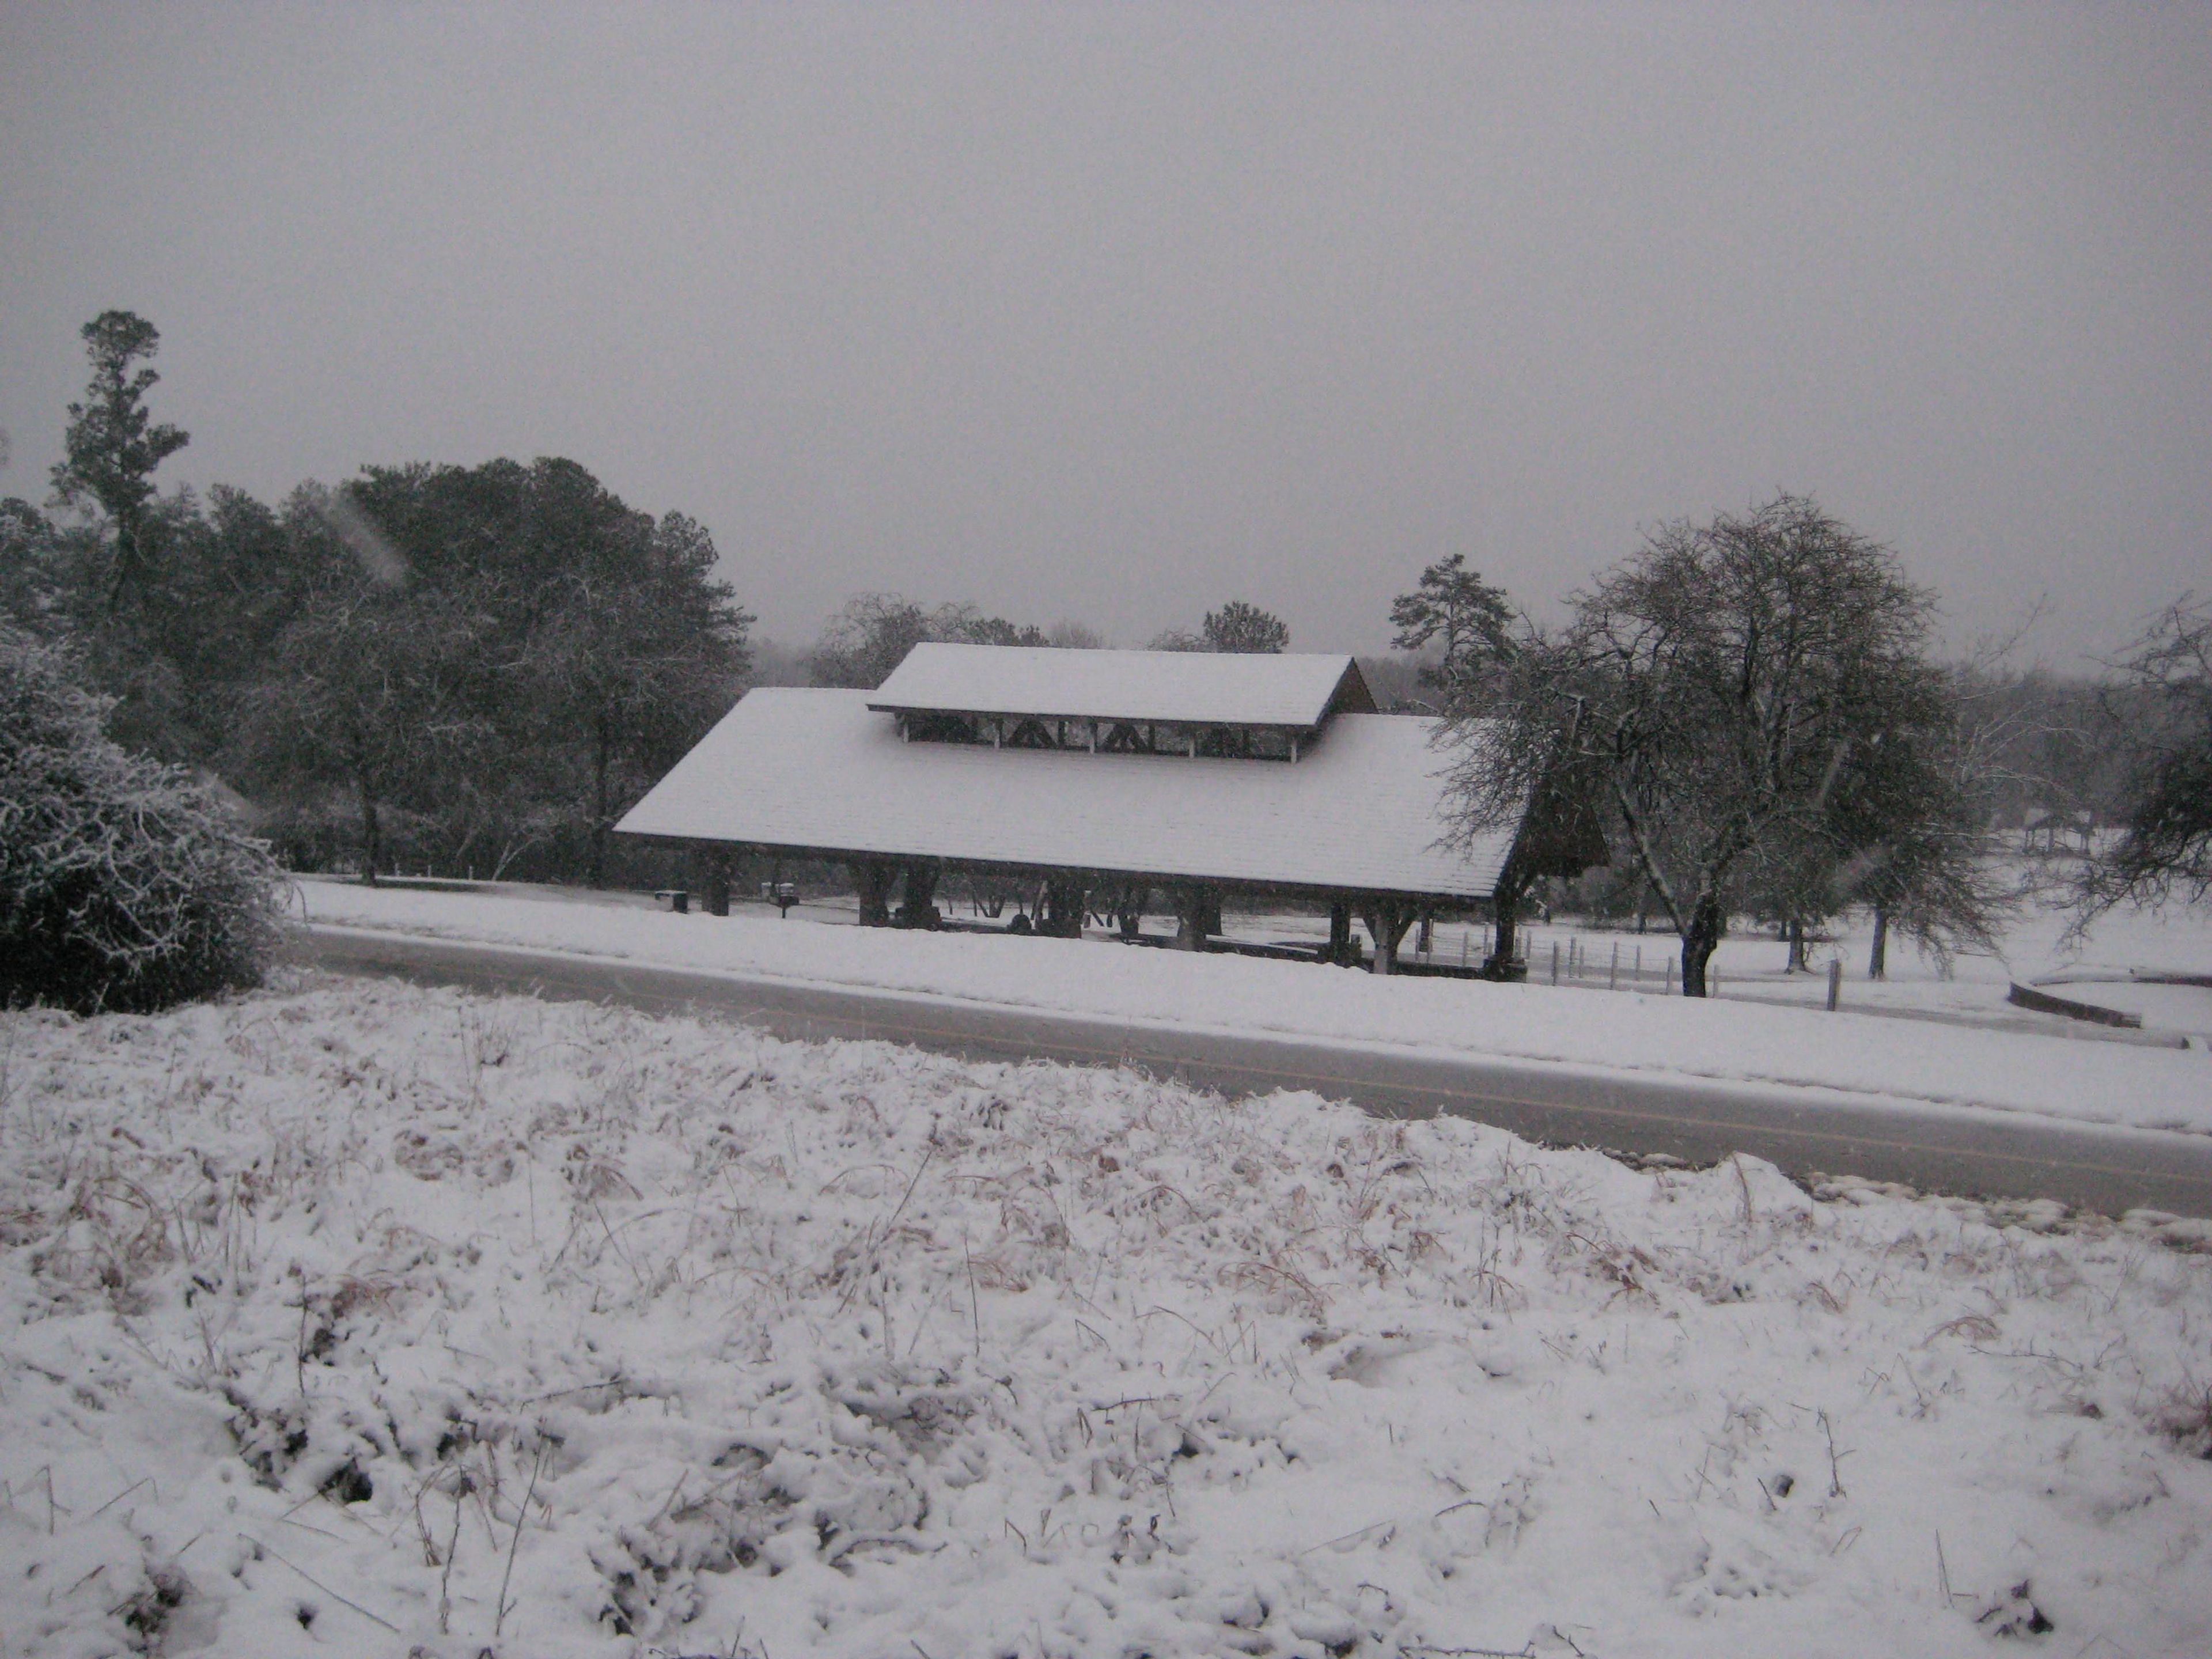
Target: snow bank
376,1320
1911,1061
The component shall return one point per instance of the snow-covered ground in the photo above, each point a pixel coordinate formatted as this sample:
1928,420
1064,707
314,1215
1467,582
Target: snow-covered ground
358,1318
1914,1064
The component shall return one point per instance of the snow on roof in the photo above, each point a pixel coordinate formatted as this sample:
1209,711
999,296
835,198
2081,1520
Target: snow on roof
820,770
1209,688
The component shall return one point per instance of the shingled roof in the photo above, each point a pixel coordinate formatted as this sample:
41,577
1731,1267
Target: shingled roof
1195,688
824,772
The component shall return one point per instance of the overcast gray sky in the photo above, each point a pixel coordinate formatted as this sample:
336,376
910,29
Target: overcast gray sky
1116,313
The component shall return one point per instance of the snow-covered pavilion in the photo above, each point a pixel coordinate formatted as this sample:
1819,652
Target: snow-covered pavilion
1117,781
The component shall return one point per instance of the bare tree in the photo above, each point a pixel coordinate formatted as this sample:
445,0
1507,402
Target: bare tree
1072,635
1907,827
2165,849
871,634
1710,692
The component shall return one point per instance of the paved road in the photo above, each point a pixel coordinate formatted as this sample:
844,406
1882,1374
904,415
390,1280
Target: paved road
1802,1131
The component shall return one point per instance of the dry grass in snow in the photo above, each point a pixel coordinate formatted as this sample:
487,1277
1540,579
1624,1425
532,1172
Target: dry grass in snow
362,1319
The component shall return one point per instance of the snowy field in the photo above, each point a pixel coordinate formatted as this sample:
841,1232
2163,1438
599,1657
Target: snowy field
355,1318
1916,1064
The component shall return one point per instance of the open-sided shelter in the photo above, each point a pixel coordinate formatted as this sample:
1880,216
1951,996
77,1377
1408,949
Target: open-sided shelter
1116,781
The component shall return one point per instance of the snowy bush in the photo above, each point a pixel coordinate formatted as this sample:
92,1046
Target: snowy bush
122,885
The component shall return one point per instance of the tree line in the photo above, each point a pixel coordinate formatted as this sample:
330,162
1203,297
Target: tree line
871,634
474,667
477,669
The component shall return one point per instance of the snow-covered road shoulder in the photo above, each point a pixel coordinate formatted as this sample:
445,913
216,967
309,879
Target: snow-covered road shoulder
377,1319
1909,1061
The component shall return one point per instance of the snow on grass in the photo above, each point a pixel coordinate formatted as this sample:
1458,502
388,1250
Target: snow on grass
357,1317
1910,1063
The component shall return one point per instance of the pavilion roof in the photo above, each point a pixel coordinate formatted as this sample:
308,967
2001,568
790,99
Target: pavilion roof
1192,687
822,772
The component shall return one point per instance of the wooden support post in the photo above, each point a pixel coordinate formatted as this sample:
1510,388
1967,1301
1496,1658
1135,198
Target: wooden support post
1341,947
1060,915
918,901
1198,912
871,879
1424,942
1387,922
718,862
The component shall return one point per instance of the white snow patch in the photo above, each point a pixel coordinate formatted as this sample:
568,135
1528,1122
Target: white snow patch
325,1305
1915,1064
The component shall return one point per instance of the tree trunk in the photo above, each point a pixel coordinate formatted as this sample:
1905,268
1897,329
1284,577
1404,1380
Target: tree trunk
717,865
1796,933
1505,927
601,759
1699,940
372,832
1878,953
126,562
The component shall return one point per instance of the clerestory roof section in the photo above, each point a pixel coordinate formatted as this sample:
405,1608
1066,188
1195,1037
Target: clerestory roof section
820,771
1185,687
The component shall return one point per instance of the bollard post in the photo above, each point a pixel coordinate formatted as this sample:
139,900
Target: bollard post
1835,982
1555,962
1613,972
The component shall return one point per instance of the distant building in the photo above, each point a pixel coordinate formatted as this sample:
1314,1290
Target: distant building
1117,782
2056,829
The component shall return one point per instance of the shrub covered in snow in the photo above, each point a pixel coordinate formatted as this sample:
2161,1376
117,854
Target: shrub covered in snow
123,886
